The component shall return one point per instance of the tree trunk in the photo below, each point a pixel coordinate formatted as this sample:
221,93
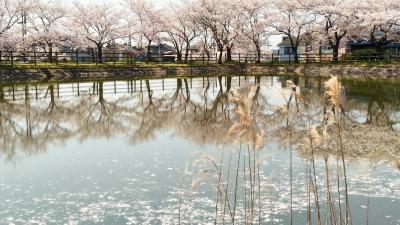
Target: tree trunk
179,57
258,54
100,52
296,56
379,50
220,50
294,49
50,52
93,58
228,54
187,52
148,52
335,48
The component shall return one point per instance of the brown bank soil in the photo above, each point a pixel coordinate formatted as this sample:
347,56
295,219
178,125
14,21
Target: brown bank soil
379,72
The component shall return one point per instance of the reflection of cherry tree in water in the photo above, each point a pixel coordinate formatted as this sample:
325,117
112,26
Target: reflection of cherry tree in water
97,117
181,102
148,116
377,113
52,120
10,130
202,117
211,113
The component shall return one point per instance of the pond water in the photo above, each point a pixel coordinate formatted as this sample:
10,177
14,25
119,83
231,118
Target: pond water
206,150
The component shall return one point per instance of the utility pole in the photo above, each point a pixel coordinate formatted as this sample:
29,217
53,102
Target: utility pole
24,29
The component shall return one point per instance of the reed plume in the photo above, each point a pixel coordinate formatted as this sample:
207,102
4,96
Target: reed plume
244,129
291,84
314,136
332,92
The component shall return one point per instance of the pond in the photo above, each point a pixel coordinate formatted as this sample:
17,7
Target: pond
204,150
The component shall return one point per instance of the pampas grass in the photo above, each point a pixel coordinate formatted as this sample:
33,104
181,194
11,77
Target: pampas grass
332,92
291,84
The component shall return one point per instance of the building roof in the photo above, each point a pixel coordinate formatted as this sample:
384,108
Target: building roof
286,41
360,43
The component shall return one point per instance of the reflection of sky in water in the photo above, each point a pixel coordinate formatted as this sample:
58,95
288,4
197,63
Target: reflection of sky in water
109,181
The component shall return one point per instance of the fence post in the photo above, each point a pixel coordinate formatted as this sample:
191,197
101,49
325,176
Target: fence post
272,58
77,57
12,58
289,58
34,57
56,58
0,56
216,57
203,58
239,58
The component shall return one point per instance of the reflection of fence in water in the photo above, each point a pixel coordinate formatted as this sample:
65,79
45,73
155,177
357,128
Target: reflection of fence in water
71,90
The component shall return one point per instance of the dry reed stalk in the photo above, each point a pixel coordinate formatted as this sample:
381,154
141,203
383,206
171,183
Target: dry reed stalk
291,176
245,189
251,183
330,202
347,212
338,190
218,187
309,181
315,185
226,200
236,187
259,194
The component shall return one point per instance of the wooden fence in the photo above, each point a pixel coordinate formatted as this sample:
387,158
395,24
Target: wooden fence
128,59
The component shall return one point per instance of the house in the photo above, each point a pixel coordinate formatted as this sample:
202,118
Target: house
305,48
367,45
160,50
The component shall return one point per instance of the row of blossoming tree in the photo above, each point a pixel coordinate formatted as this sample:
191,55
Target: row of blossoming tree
210,26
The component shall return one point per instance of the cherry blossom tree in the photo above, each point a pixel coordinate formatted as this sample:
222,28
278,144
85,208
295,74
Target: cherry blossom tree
8,15
98,23
146,21
256,27
337,20
222,19
295,19
47,24
182,29
378,22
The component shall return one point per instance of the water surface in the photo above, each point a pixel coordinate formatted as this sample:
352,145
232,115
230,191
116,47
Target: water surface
161,152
